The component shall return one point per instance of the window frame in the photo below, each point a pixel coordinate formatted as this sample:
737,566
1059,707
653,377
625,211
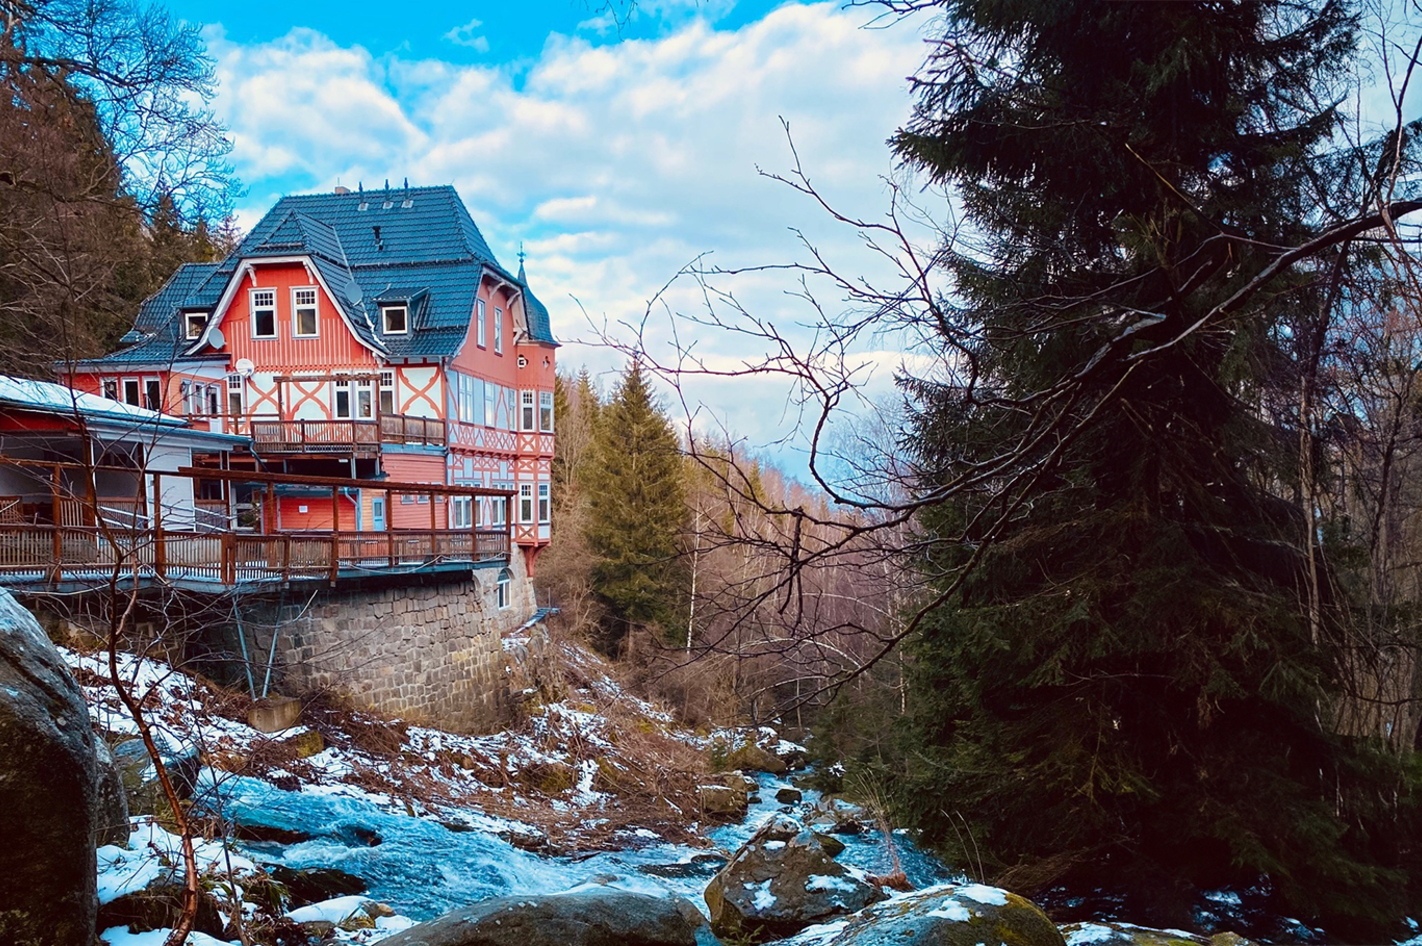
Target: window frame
527,411
194,323
253,308
525,504
545,504
383,388
482,328
110,388
385,311
498,331
503,594
153,394
341,386
296,309
545,412
136,385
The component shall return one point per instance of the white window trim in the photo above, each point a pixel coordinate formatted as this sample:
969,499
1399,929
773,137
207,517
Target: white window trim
482,329
545,504
385,311
337,387
545,403
525,504
252,313
295,320
193,320
498,331
527,411
504,589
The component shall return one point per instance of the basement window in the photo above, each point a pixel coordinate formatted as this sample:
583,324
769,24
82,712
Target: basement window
505,588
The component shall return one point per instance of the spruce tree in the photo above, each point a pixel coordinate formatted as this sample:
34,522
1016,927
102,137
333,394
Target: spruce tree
635,512
1132,689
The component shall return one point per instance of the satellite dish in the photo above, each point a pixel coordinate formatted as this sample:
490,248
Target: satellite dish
245,367
216,339
353,293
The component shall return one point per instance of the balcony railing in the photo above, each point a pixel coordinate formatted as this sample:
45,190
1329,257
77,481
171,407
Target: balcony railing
43,552
343,436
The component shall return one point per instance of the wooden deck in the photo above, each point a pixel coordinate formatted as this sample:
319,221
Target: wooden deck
342,436
63,539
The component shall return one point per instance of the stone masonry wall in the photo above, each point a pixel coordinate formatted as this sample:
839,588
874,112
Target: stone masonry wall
431,653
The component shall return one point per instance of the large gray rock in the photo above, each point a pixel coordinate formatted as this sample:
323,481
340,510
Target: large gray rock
139,776
781,881
950,915
48,792
588,916
1125,934
112,814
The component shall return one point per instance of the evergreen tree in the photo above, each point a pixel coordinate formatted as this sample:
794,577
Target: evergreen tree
1133,685
636,512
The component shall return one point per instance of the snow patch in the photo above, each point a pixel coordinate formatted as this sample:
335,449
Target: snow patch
1090,933
989,896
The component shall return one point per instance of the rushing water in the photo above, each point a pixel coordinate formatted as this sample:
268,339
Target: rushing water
423,869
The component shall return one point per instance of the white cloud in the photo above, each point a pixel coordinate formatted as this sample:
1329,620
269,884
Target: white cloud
466,35
614,164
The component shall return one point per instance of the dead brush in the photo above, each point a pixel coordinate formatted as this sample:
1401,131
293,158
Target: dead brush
340,724
870,794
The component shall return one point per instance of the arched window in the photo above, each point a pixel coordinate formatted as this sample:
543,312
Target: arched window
505,588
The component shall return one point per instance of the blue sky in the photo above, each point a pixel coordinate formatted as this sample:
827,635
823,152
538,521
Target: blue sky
614,157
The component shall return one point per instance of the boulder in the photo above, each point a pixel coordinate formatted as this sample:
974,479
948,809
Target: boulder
781,881
140,776
1124,934
112,815
587,916
315,884
752,758
722,800
48,792
948,915
789,796
158,907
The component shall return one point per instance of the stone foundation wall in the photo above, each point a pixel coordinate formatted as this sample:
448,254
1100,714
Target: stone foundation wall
431,653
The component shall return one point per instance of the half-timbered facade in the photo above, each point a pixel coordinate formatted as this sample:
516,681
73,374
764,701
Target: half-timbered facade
369,335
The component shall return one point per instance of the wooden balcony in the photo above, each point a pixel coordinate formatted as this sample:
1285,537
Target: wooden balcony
45,553
62,539
342,436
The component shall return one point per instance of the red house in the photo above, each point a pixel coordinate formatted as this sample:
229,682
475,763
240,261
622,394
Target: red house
367,334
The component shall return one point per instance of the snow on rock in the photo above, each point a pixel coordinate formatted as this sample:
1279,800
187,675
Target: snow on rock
120,936
948,913
335,911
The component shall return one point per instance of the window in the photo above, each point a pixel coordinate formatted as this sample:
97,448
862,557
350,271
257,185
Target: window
213,400
342,401
387,392
152,394
461,512
525,502
545,411
111,390
498,331
491,404
544,511
234,395
364,400
130,392
263,313
303,313
510,399
195,322
525,420
481,326
396,319
498,511
505,588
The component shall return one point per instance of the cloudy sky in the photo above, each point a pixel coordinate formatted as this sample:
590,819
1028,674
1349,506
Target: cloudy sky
613,156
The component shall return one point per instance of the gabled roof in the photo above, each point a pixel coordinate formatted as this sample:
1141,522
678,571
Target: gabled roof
158,336
416,245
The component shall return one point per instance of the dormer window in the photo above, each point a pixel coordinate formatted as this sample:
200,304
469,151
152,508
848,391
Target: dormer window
263,303
194,323
396,319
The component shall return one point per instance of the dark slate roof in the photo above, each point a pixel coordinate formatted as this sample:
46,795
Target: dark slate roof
429,254
157,336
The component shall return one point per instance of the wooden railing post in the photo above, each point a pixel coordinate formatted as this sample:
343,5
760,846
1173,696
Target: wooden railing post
389,528
160,550
434,528
335,532
55,484
269,514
